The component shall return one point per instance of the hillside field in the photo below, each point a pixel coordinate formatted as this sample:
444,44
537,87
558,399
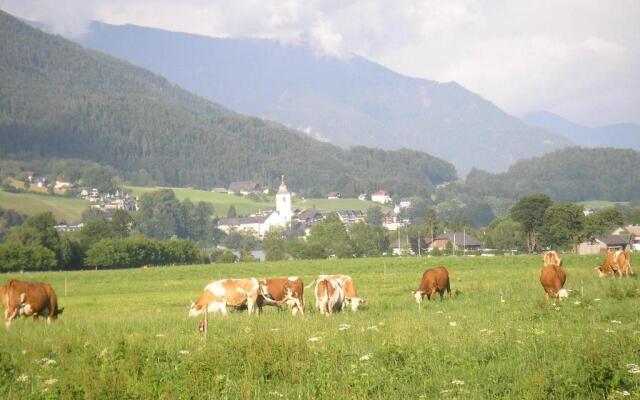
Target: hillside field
126,334
244,205
63,208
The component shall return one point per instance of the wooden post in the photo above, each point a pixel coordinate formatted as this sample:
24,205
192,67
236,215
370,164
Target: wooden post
206,321
384,274
65,284
581,288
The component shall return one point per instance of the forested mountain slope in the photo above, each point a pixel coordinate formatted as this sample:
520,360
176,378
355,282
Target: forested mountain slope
58,99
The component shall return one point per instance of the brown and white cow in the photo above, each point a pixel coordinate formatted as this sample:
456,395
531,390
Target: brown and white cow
617,262
552,278
35,299
351,297
278,291
236,293
329,296
433,280
551,258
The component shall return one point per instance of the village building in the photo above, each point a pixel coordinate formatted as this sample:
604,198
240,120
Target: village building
334,195
401,247
602,244
350,217
405,203
220,190
382,197
392,221
73,227
62,183
362,196
459,241
244,187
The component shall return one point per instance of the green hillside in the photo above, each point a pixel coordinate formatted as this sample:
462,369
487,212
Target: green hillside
63,208
245,205
58,99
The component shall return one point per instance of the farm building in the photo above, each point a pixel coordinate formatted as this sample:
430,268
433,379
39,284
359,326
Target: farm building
382,197
244,187
601,244
334,195
459,240
220,190
350,217
402,247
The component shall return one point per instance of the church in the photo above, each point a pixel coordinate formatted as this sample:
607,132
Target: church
259,225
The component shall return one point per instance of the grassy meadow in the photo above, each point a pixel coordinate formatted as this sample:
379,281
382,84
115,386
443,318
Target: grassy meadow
63,208
126,334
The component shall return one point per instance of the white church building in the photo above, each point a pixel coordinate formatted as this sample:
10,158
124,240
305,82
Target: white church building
259,225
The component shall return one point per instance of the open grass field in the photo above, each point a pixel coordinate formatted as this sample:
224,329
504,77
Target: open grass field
63,208
244,205
126,334
598,204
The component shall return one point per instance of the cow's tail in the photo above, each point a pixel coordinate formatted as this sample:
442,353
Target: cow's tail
311,284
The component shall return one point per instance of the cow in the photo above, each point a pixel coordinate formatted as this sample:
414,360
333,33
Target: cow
617,262
36,299
351,297
433,280
236,293
551,258
278,291
552,278
329,296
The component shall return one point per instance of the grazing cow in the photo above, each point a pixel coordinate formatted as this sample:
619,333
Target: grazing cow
351,297
552,278
551,258
29,299
236,293
617,262
278,291
329,296
433,280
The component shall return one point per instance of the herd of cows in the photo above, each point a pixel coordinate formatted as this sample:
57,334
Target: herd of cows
333,293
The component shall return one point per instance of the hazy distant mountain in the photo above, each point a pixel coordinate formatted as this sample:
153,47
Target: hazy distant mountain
616,135
58,99
347,102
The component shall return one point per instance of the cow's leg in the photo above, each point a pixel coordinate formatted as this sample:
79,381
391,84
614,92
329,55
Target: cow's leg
9,316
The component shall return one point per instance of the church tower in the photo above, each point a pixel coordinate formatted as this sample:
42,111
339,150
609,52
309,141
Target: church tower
283,204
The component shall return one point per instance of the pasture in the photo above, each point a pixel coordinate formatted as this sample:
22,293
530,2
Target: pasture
63,208
125,334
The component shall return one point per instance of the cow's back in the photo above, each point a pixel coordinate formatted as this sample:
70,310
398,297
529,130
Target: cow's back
434,278
552,278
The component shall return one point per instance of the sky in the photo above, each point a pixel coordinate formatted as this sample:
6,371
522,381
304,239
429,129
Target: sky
577,58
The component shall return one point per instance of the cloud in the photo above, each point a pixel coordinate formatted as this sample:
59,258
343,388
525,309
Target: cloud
580,58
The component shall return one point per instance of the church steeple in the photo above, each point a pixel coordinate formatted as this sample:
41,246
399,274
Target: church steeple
283,203
283,188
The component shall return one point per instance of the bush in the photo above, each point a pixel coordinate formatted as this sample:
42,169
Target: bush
227,258
15,256
138,251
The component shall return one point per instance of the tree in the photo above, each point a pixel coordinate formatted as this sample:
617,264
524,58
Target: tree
94,231
330,236
375,215
16,256
602,222
39,230
246,256
505,234
529,212
121,223
274,245
563,225
368,240
231,212
160,215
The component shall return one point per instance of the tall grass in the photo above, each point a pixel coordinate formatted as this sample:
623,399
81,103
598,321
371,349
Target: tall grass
125,334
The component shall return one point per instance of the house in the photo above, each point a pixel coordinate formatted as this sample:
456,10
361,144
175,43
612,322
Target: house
634,231
459,241
76,226
260,223
588,211
405,203
244,187
334,195
220,190
362,196
381,197
392,221
62,183
308,216
400,247
40,181
602,244
28,175
350,217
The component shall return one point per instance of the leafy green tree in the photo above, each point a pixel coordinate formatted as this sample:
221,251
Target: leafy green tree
368,240
375,215
529,212
121,223
330,235
274,245
159,215
238,240
563,225
17,256
231,212
227,258
94,231
602,222
246,256
505,234
39,230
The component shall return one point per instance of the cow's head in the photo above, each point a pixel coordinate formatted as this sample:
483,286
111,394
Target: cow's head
60,310
418,295
601,273
195,309
354,302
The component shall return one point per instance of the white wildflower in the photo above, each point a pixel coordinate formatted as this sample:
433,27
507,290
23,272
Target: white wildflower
344,327
596,299
557,308
633,369
160,335
50,381
538,331
366,357
457,382
184,352
104,352
24,352
577,303
453,323
439,312
314,339
610,331
23,378
220,377
615,321
276,393
275,329
372,328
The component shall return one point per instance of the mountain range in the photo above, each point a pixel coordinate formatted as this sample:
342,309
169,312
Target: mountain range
625,135
58,99
347,102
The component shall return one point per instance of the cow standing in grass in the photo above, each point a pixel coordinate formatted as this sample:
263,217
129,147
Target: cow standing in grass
434,280
329,296
35,299
236,293
278,291
617,262
351,297
552,278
